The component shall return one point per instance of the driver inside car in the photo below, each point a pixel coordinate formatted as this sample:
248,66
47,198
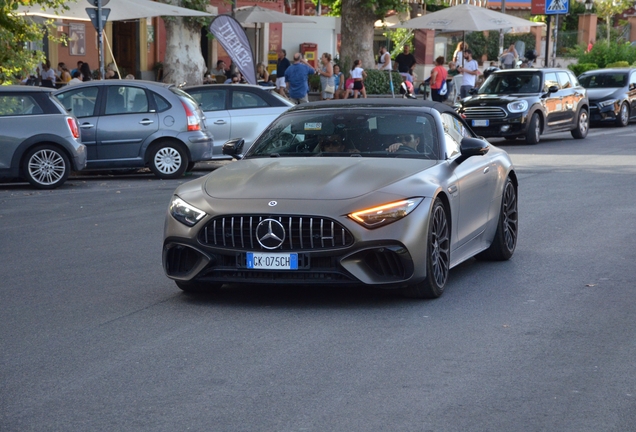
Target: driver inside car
407,140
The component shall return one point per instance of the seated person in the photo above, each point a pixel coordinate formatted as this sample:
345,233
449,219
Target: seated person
411,141
333,144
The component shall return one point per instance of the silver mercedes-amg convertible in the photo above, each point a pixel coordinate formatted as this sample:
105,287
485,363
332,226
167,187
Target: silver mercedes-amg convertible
386,192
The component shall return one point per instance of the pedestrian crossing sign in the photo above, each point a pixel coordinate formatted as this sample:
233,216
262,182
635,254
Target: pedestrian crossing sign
555,7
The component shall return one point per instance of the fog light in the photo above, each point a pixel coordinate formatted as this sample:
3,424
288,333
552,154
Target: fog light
505,128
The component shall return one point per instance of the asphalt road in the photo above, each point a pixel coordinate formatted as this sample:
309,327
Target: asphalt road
94,337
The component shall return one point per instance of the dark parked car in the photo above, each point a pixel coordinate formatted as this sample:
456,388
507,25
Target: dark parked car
381,192
528,103
134,124
237,110
612,94
39,140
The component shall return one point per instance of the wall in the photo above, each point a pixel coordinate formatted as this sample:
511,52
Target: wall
324,33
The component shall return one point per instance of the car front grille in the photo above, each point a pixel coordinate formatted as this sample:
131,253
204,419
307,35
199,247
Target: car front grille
301,233
484,112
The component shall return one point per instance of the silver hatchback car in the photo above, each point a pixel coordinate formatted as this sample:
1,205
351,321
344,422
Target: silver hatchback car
134,124
39,140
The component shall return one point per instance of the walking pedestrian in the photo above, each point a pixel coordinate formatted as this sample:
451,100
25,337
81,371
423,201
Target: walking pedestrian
438,77
359,75
296,79
281,68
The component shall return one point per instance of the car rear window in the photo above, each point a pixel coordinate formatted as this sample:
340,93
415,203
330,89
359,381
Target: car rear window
19,105
604,80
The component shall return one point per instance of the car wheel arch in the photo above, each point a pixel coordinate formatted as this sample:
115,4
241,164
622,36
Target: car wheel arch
447,207
19,155
165,140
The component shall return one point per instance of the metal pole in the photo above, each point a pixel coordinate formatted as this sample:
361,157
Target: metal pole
100,39
547,43
501,31
556,32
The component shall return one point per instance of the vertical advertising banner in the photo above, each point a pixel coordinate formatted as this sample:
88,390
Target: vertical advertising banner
234,41
76,39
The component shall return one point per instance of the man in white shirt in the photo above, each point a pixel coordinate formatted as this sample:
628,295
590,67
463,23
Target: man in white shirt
47,75
469,71
385,59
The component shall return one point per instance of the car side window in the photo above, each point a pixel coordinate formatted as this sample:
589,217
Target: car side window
549,81
564,80
126,100
244,99
161,104
632,80
210,99
454,132
19,105
79,102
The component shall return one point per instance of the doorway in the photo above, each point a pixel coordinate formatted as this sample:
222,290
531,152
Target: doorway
126,47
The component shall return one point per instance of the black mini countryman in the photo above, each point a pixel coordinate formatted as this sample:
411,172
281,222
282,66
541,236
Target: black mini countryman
527,103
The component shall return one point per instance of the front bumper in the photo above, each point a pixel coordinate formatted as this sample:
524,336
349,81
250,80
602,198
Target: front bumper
389,257
514,124
606,114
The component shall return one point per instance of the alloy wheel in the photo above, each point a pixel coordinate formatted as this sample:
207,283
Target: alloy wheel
510,216
439,248
46,167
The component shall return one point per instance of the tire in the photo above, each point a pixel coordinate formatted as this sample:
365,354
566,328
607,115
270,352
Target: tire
198,287
168,160
190,166
622,119
46,167
437,256
505,240
533,134
582,125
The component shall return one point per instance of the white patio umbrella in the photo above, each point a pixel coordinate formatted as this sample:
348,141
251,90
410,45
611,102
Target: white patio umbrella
119,10
258,15
466,17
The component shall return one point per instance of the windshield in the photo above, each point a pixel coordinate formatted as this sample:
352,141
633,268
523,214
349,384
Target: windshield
355,132
605,80
506,83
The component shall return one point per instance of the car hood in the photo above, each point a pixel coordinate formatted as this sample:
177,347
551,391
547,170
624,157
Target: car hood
310,177
600,94
492,99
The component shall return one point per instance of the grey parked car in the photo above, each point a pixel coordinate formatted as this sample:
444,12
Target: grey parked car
39,140
237,110
134,124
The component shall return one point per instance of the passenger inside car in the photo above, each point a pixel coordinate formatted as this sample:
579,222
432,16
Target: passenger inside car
405,142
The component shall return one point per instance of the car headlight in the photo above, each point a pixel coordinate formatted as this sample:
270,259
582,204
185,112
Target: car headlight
385,214
607,103
518,106
184,212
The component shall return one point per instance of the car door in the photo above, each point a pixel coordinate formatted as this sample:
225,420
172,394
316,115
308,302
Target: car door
552,102
475,184
250,114
82,102
127,121
569,97
212,101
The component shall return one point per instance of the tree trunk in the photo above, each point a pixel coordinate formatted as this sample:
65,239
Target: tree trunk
357,35
184,61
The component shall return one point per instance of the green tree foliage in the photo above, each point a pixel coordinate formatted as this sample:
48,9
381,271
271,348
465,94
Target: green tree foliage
606,9
603,53
15,33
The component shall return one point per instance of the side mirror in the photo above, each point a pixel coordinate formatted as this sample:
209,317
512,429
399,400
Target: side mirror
233,147
632,86
472,147
553,89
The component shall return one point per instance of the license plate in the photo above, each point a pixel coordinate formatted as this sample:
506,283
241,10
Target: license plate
272,261
480,122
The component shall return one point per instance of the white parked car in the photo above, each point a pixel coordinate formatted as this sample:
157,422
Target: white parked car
237,110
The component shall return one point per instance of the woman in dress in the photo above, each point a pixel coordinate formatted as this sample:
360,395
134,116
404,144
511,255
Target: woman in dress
358,74
326,76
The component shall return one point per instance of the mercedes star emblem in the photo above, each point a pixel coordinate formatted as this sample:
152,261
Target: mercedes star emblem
272,203
270,233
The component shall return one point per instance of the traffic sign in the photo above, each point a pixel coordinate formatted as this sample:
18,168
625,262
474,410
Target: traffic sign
94,2
556,7
92,14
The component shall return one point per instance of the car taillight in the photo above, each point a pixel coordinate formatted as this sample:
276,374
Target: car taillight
72,125
194,123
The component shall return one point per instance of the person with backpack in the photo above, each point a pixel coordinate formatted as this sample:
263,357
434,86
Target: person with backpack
438,80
